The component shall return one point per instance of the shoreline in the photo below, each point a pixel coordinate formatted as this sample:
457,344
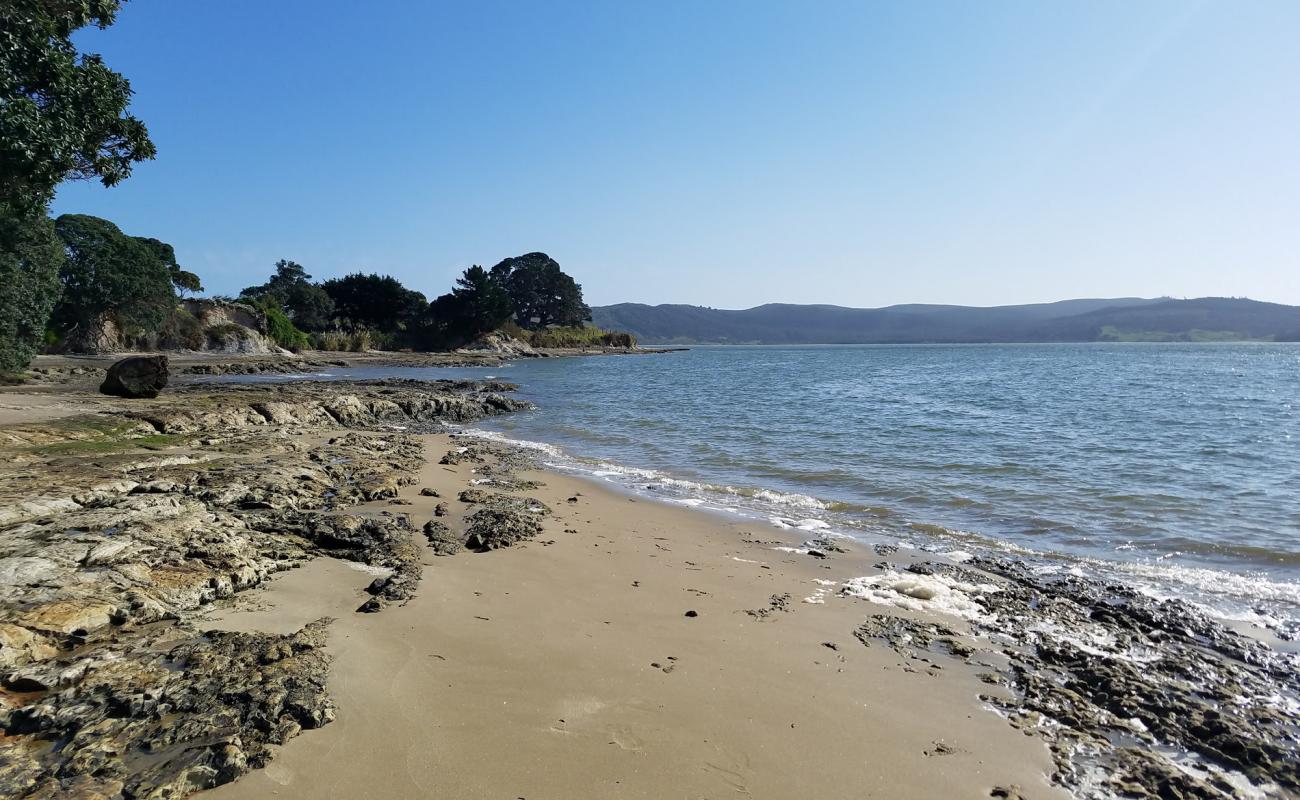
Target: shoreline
847,672
649,702
1216,589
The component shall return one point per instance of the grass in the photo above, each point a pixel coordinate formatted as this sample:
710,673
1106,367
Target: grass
160,441
574,336
99,435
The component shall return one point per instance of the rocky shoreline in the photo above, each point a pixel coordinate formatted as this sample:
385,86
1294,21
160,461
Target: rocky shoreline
70,370
1135,696
118,529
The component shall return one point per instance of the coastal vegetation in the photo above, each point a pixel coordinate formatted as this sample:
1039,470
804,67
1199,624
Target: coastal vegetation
63,116
79,283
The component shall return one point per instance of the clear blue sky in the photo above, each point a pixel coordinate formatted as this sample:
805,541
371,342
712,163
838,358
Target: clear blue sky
724,153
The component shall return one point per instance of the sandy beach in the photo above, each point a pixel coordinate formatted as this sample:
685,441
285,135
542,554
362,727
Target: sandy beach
566,667
334,589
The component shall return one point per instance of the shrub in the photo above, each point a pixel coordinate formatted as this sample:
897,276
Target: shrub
282,330
219,335
181,331
618,339
573,336
357,341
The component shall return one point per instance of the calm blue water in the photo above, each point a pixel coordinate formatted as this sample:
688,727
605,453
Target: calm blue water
1174,465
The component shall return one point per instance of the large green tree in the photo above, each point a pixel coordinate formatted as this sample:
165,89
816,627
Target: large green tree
307,304
30,258
182,279
477,305
63,116
110,277
540,292
379,302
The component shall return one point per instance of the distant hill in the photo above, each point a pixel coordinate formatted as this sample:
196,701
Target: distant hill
1086,320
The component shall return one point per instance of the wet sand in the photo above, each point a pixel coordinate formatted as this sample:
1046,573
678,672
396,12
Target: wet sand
566,667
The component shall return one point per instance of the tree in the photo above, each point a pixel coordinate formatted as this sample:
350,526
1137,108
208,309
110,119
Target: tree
110,277
182,279
62,114
474,307
379,302
307,304
540,292
30,258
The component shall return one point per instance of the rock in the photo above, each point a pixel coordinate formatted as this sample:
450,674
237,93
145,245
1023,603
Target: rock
440,510
504,502
166,719
105,560
502,345
19,645
428,492
441,539
473,496
67,616
135,377
692,614
492,529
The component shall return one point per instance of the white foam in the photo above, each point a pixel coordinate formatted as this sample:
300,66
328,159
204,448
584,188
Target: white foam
809,524
1094,640
784,499
550,450
1254,588
959,556
937,593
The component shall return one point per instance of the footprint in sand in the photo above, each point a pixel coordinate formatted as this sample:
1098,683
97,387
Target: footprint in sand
625,739
732,771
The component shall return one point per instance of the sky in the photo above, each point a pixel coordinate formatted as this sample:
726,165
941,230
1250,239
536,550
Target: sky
723,153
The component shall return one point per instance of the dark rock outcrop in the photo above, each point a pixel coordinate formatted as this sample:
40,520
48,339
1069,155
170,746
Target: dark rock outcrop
152,718
441,540
1135,696
137,376
492,529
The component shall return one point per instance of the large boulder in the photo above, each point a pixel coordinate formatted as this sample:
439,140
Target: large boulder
138,376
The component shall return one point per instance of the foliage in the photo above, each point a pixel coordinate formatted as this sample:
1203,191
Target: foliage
181,331
474,307
219,335
182,279
111,276
278,325
375,301
30,258
306,303
540,293
573,336
287,274
62,114
358,341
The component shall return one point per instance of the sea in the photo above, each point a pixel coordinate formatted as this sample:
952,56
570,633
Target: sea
1171,467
